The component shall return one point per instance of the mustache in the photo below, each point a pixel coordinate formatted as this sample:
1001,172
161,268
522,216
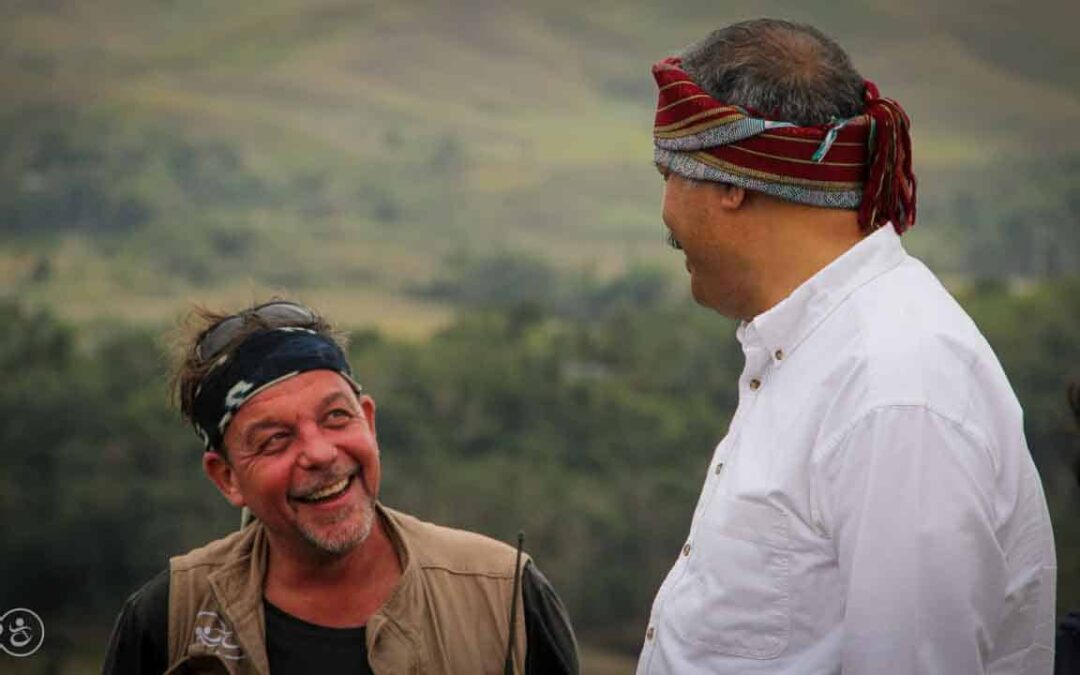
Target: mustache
324,479
669,237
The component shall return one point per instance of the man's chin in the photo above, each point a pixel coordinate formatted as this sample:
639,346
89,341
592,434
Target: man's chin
700,295
339,538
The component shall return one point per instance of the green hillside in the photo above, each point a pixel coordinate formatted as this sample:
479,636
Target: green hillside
473,180
345,150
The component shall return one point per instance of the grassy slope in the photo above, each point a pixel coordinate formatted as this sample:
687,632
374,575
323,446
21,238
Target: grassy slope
549,102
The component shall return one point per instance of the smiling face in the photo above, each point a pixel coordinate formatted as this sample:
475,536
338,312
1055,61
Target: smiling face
302,455
702,220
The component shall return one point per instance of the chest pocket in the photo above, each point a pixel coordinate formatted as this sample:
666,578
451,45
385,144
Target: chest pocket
734,597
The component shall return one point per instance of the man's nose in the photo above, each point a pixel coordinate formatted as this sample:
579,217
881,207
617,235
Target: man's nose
316,449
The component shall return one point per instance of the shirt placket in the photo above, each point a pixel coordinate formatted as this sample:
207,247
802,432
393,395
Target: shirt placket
751,383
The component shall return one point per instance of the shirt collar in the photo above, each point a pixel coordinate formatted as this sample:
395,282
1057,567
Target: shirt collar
783,327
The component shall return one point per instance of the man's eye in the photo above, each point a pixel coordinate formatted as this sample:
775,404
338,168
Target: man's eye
274,442
339,415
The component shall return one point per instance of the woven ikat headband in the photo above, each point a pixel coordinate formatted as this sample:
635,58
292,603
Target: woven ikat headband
263,360
863,162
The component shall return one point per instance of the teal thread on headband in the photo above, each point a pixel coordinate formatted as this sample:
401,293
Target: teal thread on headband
830,138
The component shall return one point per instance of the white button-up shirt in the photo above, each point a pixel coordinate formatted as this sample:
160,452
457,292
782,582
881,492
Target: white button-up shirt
873,509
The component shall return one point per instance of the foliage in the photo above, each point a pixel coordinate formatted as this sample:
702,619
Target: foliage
1034,331
98,483
510,280
1022,223
64,170
591,434
149,149
54,175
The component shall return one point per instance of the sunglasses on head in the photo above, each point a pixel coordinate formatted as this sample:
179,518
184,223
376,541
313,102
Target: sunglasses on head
275,313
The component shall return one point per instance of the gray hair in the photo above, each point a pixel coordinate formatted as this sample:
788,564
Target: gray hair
787,71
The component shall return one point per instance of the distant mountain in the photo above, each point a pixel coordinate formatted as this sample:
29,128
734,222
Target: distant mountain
371,140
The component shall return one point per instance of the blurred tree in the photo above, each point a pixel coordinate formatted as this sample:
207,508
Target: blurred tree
98,486
591,434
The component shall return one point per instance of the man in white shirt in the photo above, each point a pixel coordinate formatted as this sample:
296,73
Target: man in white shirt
873,508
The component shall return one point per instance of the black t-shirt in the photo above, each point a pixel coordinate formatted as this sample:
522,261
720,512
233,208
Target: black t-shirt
139,643
296,647
1067,649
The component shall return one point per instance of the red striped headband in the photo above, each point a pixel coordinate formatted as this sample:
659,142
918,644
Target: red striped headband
863,162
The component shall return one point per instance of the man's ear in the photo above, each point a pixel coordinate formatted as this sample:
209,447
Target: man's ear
367,405
221,473
729,196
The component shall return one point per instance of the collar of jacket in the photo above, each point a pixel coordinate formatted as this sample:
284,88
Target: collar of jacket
216,613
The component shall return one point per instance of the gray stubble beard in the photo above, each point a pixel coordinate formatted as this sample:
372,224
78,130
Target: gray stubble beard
356,534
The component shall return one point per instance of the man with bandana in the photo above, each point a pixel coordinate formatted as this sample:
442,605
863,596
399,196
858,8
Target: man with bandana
873,508
326,579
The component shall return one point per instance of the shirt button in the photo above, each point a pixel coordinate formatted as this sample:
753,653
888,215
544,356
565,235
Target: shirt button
719,467
755,384
779,355
686,549
650,634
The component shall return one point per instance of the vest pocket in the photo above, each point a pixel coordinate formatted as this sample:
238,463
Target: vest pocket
734,595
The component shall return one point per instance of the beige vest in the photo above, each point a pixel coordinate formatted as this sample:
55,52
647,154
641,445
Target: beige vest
448,615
